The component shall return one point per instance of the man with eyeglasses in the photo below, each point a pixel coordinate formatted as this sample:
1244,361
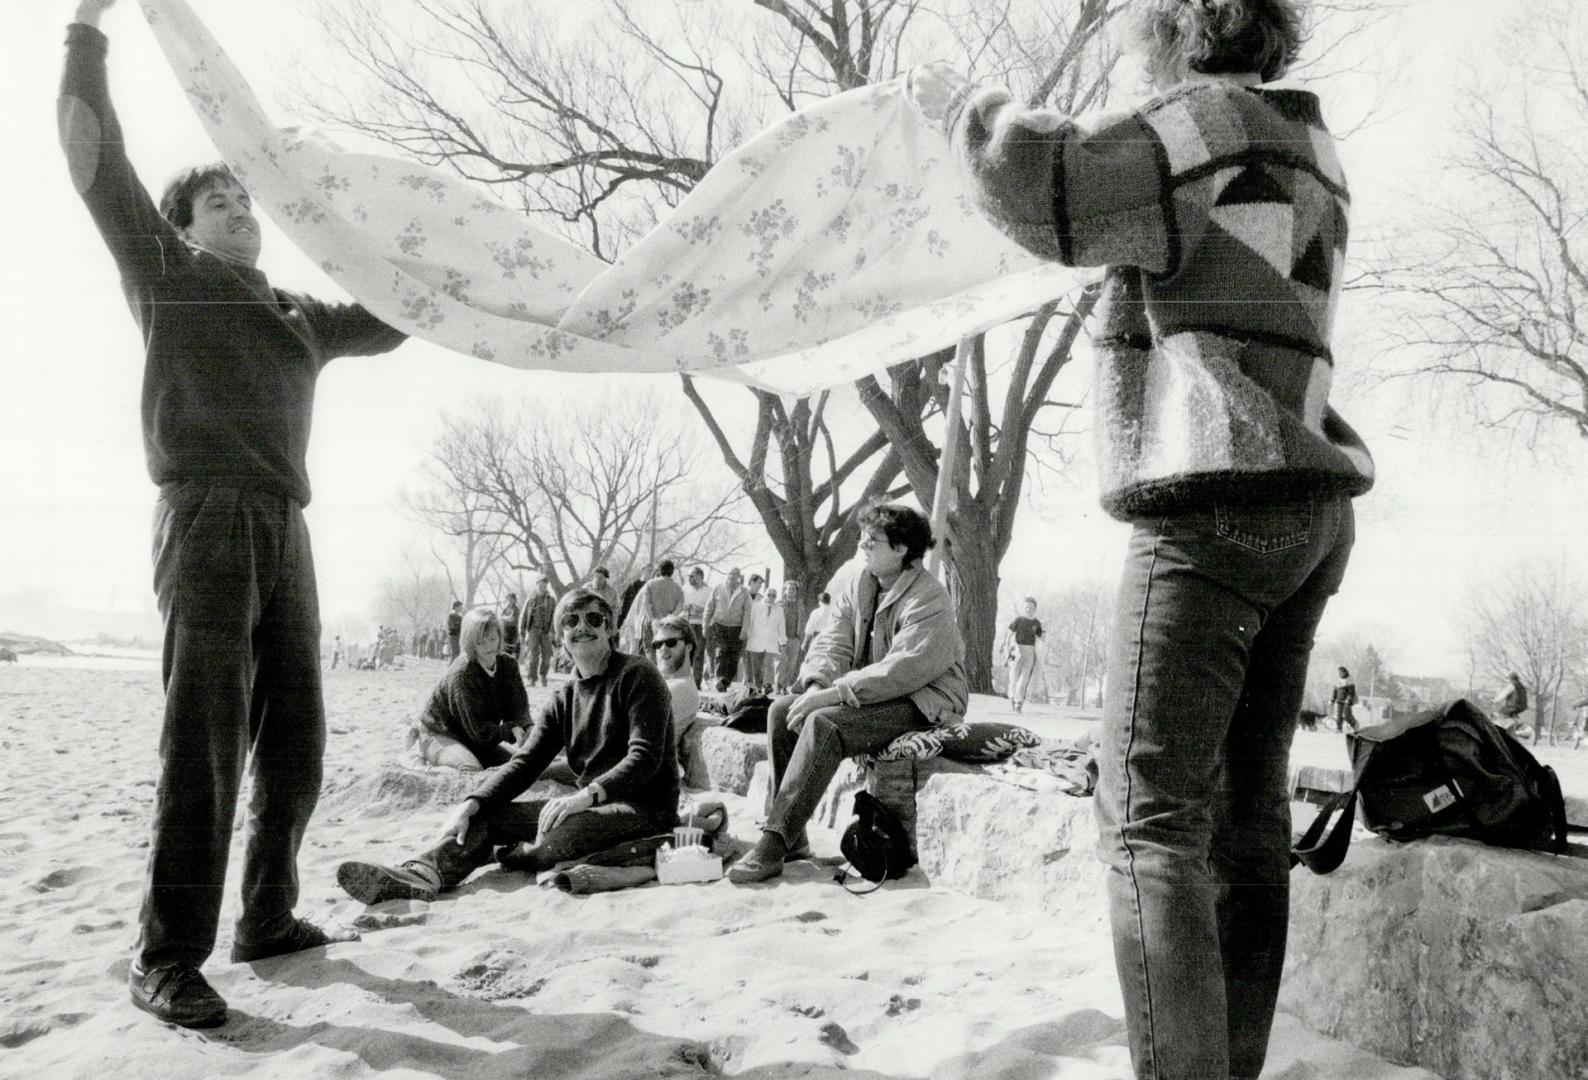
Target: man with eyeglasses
674,649
614,721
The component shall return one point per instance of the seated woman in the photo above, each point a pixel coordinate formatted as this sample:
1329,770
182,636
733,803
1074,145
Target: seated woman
614,720
479,704
889,661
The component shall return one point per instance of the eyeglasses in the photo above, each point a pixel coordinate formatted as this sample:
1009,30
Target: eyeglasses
667,643
871,540
593,619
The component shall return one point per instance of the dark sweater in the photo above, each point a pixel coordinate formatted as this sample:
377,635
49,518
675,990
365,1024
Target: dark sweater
617,728
230,362
478,710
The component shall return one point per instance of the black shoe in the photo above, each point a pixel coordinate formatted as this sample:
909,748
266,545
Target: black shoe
303,935
375,884
177,994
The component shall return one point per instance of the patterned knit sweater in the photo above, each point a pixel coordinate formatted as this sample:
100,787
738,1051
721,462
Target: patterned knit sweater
1221,213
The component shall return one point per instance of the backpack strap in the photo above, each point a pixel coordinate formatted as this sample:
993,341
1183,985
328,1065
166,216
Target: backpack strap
1556,798
842,877
1322,854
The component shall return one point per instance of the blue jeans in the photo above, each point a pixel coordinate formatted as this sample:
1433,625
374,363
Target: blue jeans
1207,667
804,762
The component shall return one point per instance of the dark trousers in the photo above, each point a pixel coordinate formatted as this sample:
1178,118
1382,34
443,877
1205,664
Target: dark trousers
578,835
1207,668
537,655
235,581
804,762
698,659
727,647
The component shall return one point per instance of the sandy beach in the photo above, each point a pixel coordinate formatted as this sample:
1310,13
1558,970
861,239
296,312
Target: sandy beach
504,979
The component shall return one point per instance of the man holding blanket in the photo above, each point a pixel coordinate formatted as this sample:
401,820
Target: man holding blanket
230,365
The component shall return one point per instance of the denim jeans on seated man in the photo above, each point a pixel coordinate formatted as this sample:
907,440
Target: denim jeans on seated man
1213,628
804,762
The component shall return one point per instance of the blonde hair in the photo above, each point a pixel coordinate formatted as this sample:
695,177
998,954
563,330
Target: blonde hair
475,624
1217,37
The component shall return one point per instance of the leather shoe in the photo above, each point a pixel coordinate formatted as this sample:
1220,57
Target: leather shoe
303,935
763,863
177,994
374,884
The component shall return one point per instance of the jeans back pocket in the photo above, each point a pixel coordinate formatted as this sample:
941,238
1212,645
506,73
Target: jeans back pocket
1265,527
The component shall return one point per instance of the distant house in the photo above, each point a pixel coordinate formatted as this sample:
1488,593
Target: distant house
1418,692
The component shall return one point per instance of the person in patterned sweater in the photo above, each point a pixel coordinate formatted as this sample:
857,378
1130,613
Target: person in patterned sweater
230,365
1220,212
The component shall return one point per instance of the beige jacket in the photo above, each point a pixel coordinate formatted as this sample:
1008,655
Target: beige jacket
916,651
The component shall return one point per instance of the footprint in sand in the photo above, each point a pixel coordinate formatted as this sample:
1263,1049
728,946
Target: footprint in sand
60,879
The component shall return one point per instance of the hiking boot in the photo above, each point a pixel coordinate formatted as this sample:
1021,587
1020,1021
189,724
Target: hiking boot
374,884
177,994
763,863
303,935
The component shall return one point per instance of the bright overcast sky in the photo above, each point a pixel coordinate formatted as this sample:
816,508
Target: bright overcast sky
75,499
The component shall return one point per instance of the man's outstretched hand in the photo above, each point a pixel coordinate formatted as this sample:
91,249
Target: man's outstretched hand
89,11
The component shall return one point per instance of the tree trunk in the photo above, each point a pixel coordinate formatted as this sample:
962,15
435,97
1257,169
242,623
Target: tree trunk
973,581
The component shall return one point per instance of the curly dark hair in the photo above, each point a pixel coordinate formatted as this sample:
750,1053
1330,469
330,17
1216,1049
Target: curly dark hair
901,525
1222,36
176,201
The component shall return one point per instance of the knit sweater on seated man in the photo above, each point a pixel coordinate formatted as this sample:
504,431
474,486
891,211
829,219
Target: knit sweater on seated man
1220,211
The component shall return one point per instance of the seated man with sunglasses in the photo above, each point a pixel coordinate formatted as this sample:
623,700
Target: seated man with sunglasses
613,719
674,648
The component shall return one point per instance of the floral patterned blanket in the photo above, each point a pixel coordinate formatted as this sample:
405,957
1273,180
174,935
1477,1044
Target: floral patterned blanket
834,244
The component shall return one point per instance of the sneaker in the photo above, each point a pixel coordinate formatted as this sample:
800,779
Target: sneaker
303,935
374,884
177,994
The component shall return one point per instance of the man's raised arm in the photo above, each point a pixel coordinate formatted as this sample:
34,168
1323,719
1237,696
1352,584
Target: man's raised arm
144,245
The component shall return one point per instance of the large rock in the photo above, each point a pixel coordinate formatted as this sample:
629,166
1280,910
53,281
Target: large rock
1015,837
1467,960
724,759
396,787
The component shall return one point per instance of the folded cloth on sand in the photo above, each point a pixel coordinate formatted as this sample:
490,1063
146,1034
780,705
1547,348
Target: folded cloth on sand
710,816
583,880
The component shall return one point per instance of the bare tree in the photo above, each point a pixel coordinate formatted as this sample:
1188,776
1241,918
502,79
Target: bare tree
1492,291
414,599
1530,618
559,491
604,132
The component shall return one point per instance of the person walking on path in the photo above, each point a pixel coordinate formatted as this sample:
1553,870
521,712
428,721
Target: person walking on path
454,628
696,596
536,628
659,597
1342,701
1020,646
724,618
788,664
1220,211
230,364
763,636
509,620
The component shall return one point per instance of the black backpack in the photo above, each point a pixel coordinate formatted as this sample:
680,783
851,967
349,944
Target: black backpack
875,844
1449,771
